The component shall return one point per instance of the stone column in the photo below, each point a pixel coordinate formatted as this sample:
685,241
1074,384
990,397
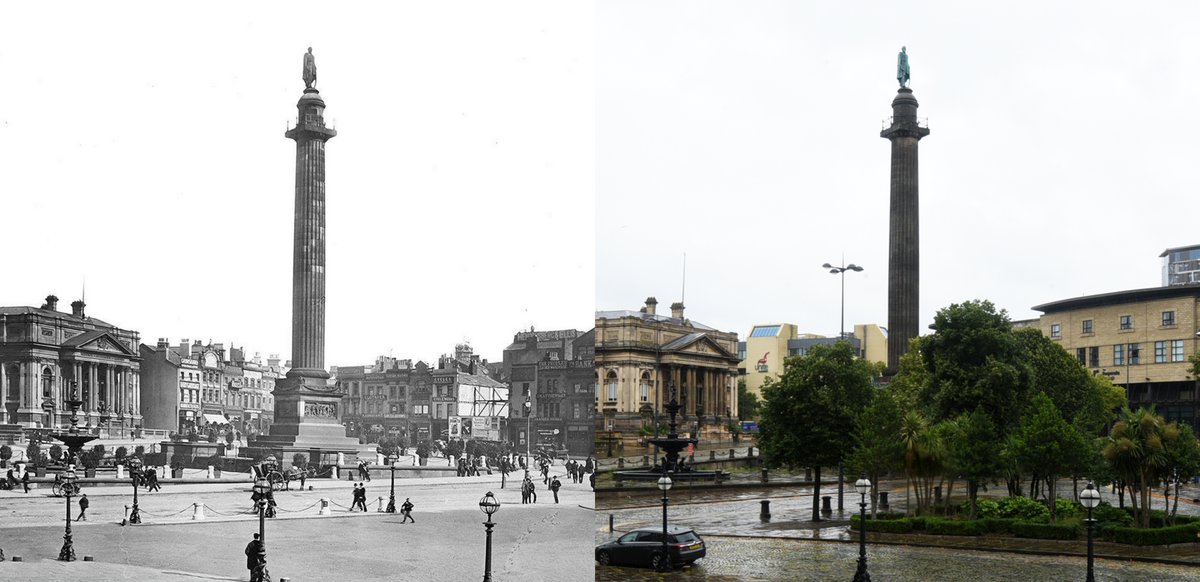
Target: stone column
93,389
4,392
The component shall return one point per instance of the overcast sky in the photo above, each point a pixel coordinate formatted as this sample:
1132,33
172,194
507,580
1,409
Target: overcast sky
1061,160
143,152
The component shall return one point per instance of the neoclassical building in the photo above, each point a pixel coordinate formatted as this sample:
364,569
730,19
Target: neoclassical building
45,353
641,356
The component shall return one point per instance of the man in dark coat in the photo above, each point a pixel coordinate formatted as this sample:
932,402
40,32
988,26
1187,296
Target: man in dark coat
25,480
83,505
555,485
254,558
406,510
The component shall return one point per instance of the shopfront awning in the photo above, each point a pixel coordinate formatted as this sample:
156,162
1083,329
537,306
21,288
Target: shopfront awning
215,418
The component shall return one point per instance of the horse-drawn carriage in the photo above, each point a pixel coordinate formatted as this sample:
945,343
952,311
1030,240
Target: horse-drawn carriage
280,479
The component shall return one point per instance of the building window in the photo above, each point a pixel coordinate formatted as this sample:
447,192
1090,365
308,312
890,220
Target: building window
1055,330
1094,357
611,382
1176,350
1135,354
1119,355
1168,318
1087,326
1081,355
645,388
1126,322
1160,352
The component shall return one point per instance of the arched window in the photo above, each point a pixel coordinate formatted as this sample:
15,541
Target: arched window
611,381
47,382
645,387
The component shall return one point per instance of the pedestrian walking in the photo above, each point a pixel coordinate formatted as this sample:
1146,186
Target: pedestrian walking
362,496
152,481
532,492
25,480
555,485
303,475
254,559
406,511
83,505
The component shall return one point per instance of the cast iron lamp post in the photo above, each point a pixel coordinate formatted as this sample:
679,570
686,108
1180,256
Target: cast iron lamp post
134,465
863,485
664,485
391,508
488,505
67,553
1090,498
528,432
263,488
841,271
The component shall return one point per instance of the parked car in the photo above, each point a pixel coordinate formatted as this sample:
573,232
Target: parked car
643,547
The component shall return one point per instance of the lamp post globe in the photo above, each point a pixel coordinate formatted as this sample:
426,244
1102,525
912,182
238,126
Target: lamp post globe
67,553
134,465
664,485
392,458
863,486
1090,498
489,505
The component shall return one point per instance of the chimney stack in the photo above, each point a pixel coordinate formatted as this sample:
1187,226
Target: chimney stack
51,303
651,305
185,349
677,310
163,344
77,308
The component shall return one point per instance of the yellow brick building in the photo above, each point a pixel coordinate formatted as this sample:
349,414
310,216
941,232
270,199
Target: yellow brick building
1141,338
767,345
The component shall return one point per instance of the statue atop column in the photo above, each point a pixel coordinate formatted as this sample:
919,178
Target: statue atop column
901,67
310,69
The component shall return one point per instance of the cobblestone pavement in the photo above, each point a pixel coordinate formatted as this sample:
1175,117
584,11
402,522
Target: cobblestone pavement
768,560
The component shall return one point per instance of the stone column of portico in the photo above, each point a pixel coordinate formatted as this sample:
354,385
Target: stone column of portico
4,393
903,237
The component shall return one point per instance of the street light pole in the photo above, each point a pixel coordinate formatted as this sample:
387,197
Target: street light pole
841,271
1090,498
528,432
135,465
262,487
863,485
489,505
391,507
664,484
67,553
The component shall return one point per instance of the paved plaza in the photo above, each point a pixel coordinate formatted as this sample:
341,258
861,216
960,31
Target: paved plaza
530,542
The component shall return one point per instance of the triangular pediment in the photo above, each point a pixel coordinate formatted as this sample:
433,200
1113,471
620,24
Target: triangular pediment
100,341
697,343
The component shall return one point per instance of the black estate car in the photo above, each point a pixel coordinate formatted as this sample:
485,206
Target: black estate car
643,547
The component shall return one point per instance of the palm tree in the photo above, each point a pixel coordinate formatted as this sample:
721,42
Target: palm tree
1135,450
922,457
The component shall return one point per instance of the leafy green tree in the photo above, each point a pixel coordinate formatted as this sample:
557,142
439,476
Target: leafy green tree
808,412
1135,450
877,451
923,454
1059,375
1182,462
748,403
971,448
908,384
1044,443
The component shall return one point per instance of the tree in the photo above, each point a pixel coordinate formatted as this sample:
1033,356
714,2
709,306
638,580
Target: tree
1074,391
1182,462
877,451
1134,448
1044,443
748,403
972,446
808,412
922,458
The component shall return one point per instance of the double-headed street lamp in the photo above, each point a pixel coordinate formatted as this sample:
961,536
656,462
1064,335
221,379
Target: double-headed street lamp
67,553
134,465
489,505
263,488
841,271
863,485
391,508
1090,498
664,485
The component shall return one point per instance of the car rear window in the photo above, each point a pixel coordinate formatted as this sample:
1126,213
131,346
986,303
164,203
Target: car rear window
686,538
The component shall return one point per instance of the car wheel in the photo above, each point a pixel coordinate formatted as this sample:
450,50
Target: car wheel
604,558
657,560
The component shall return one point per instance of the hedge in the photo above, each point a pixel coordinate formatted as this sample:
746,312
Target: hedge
1178,534
997,525
902,525
952,527
1045,531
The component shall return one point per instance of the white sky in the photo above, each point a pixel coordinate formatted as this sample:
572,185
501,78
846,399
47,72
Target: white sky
1061,160
143,151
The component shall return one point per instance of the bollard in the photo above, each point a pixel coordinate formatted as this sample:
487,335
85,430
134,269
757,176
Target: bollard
210,471
380,510
618,482
764,474
750,452
645,460
808,474
883,500
197,512
334,474
324,507
621,463
378,458
88,559
731,455
341,459
125,519
712,455
826,508
937,493
610,523
120,472
765,513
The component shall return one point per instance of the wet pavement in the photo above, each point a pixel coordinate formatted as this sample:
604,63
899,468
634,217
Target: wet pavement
742,559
